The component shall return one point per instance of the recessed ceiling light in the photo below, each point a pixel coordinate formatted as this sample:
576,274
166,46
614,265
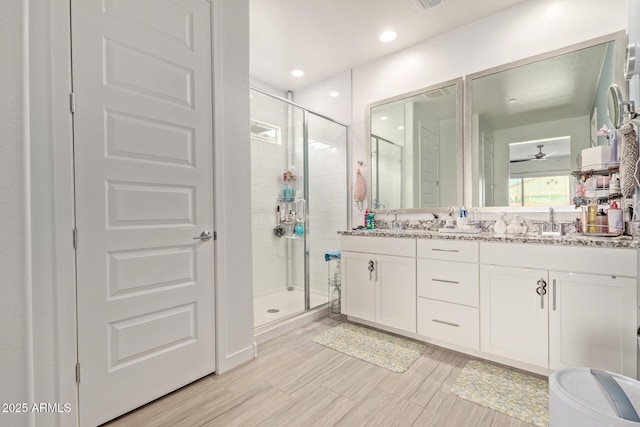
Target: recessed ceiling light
334,93
297,72
388,36
400,127
383,118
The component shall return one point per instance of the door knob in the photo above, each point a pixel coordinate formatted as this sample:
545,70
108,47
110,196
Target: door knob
204,236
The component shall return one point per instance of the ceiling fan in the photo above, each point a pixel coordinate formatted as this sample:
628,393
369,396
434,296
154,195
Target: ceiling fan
538,156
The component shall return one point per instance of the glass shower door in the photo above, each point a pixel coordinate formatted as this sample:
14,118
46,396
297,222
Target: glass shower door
277,188
299,202
327,199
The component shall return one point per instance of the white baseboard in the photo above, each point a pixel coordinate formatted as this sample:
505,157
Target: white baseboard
235,359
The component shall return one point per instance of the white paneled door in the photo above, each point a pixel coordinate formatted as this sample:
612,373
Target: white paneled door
144,180
429,174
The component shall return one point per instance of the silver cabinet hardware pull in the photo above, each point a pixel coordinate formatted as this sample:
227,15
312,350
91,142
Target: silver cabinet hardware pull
444,250
376,270
204,236
455,325
554,294
371,268
445,281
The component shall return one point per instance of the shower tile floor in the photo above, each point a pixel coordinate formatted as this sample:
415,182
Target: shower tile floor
286,302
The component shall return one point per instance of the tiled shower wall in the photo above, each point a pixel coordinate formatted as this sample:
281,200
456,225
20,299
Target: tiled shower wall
268,161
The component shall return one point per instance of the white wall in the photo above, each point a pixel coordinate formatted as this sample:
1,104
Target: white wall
233,183
316,97
528,28
16,374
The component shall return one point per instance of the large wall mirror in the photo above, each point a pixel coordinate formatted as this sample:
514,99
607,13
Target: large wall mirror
416,149
526,123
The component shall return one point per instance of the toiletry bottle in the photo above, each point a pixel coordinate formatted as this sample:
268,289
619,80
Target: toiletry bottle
602,224
592,212
370,221
584,220
366,217
286,194
462,218
614,186
615,218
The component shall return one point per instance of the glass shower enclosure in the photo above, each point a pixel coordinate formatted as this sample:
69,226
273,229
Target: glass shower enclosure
299,202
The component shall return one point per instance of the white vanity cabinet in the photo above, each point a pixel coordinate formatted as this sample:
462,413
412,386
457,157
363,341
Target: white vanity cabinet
558,307
379,280
447,289
514,316
592,322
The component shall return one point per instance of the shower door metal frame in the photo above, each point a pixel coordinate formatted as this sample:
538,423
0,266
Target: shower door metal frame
305,154
376,201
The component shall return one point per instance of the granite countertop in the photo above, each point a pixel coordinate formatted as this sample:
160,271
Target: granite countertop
571,239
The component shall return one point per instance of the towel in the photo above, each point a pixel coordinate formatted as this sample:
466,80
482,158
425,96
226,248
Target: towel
332,255
628,159
359,187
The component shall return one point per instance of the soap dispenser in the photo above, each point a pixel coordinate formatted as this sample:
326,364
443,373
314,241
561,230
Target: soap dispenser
500,227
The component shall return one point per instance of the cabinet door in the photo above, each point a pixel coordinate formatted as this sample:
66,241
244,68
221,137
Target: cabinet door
514,316
396,292
592,322
358,285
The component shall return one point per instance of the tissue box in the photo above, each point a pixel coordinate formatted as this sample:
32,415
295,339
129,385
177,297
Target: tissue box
596,157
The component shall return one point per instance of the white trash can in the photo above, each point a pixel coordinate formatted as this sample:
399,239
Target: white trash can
584,397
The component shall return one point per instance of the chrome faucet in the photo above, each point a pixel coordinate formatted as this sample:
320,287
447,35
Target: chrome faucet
394,224
551,228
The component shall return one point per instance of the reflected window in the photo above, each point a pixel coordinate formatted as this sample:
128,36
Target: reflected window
540,191
539,172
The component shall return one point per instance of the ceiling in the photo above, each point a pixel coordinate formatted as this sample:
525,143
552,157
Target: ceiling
328,37
556,88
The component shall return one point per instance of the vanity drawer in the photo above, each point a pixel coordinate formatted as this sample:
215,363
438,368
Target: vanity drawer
379,245
452,323
448,250
456,282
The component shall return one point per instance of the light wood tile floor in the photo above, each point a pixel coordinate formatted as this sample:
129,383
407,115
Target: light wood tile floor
295,382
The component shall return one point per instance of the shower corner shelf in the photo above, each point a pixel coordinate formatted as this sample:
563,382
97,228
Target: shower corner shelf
293,238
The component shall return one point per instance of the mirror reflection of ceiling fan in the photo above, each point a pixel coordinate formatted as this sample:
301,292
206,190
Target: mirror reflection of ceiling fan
538,156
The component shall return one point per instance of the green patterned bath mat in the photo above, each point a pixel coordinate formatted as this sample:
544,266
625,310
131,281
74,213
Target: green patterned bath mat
387,351
518,395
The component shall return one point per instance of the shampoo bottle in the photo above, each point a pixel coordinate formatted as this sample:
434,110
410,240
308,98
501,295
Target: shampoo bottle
615,219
